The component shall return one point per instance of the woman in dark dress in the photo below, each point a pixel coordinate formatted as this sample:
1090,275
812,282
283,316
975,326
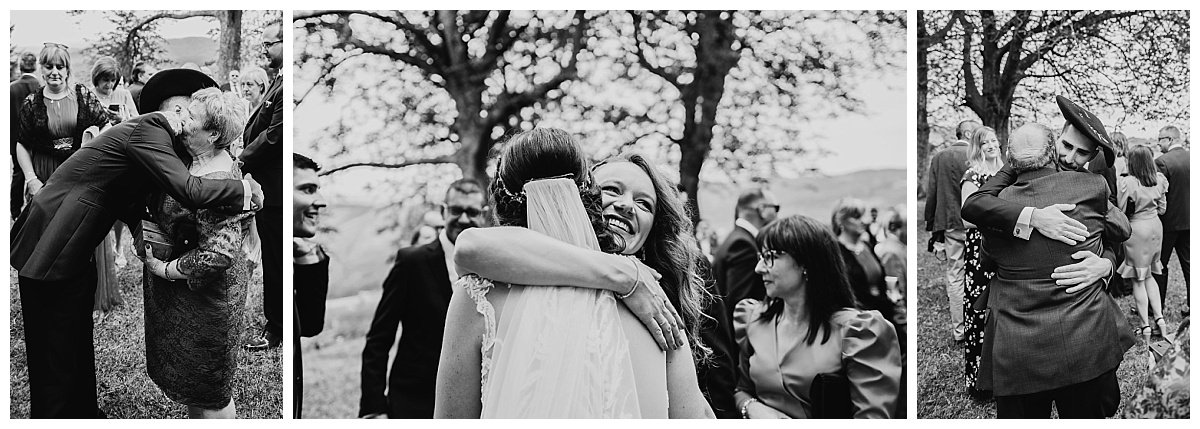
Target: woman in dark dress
195,301
983,161
862,265
50,126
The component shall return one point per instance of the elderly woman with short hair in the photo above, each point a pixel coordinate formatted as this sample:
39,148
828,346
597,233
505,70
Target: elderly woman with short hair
253,85
195,300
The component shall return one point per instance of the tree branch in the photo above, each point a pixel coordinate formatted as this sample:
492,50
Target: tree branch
445,159
508,104
672,79
165,15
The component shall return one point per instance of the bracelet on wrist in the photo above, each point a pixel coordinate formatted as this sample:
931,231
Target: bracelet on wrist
746,407
637,279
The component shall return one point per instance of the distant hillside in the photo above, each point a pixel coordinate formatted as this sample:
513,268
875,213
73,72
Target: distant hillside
199,50
362,253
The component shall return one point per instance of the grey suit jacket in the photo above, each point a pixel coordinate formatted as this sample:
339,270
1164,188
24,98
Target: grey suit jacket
1038,337
943,200
1176,165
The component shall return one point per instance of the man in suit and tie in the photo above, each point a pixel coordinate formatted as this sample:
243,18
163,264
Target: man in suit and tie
1054,336
416,295
1176,165
733,264
943,203
53,240
17,91
262,159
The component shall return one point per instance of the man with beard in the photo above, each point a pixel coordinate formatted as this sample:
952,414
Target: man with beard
416,295
1053,336
262,159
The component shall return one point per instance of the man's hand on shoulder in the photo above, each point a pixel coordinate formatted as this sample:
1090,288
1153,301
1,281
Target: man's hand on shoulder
1090,269
1052,223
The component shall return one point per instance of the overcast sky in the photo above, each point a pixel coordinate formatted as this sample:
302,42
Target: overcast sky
32,28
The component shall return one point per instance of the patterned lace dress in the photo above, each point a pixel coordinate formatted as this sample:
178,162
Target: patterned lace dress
974,287
193,326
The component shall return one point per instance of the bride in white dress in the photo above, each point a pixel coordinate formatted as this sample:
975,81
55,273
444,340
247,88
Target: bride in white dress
563,352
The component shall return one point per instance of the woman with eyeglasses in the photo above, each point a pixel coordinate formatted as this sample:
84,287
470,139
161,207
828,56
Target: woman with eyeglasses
809,336
863,267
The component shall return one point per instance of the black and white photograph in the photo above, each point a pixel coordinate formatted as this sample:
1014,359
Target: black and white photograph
1053,158
600,214
147,169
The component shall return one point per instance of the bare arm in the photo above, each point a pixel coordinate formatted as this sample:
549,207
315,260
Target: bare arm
968,188
457,391
522,256
683,391
25,162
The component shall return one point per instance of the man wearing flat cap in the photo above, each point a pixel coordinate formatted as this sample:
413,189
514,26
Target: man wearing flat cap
1054,336
53,240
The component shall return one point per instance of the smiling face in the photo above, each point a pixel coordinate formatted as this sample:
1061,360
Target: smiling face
306,203
780,273
629,201
990,148
1074,149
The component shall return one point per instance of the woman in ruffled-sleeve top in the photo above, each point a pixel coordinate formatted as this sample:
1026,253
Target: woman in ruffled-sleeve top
809,325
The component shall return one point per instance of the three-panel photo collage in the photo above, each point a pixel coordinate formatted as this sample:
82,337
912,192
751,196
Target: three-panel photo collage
599,214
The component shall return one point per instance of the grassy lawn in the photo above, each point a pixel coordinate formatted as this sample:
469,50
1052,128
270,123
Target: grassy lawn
333,359
941,389
123,388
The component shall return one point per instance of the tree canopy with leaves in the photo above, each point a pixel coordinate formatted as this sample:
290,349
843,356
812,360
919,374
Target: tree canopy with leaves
1005,67
444,88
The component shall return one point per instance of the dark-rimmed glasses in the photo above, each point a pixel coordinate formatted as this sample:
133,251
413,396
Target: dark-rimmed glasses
768,257
457,211
267,44
56,45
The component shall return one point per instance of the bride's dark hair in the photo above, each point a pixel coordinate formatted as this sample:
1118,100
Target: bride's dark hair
543,153
672,250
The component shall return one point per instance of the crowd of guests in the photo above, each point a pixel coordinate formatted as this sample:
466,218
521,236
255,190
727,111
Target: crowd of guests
1147,182
194,297
807,316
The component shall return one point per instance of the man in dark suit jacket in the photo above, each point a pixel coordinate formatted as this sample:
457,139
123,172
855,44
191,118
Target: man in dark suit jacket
1176,165
53,240
310,268
734,261
416,295
262,159
17,91
1054,336
943,203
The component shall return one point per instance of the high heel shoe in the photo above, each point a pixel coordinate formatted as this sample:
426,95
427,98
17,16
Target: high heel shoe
1143,332
1162,326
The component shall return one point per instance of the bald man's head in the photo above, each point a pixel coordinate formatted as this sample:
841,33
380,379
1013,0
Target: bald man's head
1030,146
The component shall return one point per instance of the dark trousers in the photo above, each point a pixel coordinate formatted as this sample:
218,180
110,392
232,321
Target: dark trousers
1093,399
1182,245
269,222
58,345
16,195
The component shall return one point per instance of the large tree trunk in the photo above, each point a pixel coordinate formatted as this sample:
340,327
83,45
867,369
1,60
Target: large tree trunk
715,57
229,54
922,102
